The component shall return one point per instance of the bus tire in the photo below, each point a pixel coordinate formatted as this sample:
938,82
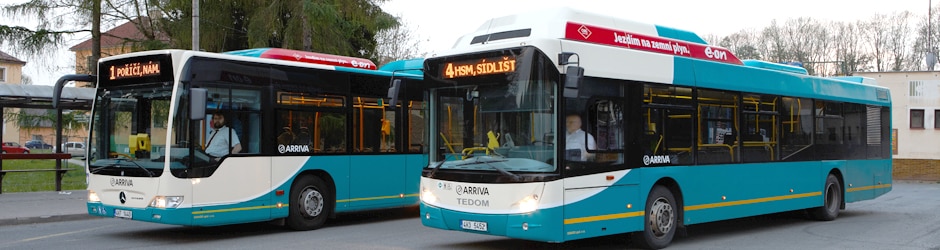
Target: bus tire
659,221
832,200
311,203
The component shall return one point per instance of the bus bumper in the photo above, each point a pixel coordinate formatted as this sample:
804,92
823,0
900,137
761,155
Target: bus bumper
537,225
149,214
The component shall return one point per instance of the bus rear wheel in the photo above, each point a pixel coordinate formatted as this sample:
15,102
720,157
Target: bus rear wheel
310,203
832,200
660,219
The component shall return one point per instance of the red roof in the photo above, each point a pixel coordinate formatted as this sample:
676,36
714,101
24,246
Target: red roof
4,57
116,37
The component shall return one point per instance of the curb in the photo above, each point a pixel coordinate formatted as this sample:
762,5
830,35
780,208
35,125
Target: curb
45,219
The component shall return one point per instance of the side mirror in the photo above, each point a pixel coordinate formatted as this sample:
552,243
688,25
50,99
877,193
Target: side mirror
573,76
197,104
393,90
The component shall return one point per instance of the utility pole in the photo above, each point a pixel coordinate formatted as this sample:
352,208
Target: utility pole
931,56
196,25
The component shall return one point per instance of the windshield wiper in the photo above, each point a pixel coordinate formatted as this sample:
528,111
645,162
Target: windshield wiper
118,164
435,168
501,170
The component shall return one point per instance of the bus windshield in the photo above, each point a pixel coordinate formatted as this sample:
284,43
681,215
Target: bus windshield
497,113
126,121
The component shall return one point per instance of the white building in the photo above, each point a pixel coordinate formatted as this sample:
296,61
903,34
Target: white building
915,98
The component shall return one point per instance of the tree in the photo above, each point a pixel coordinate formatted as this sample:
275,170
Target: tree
344,27
875,32
59,19
898,39
743,44
773,46
398,43
848,51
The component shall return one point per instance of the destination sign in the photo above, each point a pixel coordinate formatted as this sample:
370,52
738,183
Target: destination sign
134,70
479,67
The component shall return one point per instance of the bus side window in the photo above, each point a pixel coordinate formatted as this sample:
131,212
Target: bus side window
417,121
373,126
606,125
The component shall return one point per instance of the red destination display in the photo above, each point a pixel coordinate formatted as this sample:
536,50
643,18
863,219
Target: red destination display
318,58
594,34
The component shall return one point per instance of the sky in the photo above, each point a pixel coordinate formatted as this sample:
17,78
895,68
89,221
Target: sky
449,20
439,23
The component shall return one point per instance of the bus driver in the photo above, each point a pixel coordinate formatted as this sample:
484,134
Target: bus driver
574,143
221,140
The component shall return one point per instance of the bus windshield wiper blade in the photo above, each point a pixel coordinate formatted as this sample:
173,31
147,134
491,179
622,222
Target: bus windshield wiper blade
435,168
498,168
480,162
502,170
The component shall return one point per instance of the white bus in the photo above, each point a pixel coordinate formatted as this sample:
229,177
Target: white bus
562,125
305,136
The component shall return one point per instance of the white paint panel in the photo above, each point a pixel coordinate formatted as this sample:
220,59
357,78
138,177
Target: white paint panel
285,167
139,193
237,180
584,184
619,63
498,199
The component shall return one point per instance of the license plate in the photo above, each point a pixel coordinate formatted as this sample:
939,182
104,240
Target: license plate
126,214
473,225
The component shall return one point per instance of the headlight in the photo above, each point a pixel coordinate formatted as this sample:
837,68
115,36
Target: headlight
427,196
528,204
93,197
166,201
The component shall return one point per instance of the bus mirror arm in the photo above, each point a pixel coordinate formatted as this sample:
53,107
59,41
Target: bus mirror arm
59,84
573,74
197,104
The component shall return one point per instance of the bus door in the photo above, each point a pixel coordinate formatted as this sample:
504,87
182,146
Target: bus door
234,180
377,165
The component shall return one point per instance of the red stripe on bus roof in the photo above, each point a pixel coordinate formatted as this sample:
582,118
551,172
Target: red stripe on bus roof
623,39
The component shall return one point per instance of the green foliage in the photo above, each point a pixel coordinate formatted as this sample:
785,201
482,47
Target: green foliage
40,181
344,27
57,17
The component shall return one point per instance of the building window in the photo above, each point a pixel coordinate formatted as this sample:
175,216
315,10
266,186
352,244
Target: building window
936,118
917,118
3,74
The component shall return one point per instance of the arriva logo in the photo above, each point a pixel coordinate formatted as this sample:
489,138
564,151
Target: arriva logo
656,159
281,148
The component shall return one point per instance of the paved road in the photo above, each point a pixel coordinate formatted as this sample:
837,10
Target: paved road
906,218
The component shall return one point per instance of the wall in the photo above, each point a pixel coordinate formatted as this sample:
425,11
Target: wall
918,149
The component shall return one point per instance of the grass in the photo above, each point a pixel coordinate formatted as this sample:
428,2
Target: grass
40,181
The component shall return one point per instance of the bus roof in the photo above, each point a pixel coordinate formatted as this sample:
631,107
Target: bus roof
611,47
410,66
306,56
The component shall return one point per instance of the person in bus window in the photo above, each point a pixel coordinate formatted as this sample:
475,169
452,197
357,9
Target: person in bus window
221,140
577,142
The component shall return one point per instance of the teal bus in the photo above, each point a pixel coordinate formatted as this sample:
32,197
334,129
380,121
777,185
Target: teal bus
304,136
561,125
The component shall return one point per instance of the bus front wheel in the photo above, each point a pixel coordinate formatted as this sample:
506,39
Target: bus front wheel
660,219
832,200
310,203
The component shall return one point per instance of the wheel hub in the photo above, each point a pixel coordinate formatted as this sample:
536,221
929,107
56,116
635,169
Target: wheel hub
312,202
661,217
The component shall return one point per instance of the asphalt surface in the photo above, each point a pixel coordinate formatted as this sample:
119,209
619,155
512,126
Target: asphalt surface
39,207
905,218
